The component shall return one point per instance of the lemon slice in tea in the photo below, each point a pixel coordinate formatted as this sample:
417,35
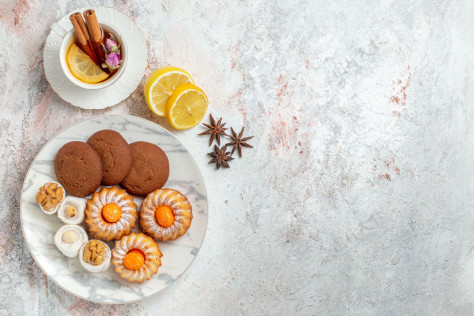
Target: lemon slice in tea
83,67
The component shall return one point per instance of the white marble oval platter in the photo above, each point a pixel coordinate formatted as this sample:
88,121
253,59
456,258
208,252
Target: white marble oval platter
108,287
120,89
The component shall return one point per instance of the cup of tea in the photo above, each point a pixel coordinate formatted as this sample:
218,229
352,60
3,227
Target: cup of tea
70,38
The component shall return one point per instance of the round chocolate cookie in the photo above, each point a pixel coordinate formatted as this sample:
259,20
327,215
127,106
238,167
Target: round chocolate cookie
150,169
114,153
78,168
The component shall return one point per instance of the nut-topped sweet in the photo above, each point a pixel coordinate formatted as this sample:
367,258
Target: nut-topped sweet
49,197
95,256
69,239
71,210
94,252
110,214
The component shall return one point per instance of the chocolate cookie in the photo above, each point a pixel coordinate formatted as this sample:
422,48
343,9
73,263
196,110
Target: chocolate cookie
114,153
150,169
78,168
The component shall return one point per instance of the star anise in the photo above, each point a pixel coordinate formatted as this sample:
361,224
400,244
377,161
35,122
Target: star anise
215,130
220,157
238,141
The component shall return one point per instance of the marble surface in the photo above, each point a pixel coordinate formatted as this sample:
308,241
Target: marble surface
357,198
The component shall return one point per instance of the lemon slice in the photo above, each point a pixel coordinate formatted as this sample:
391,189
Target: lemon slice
186,106
161,84
83,67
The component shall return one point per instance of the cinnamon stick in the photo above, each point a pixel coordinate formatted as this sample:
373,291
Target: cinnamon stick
81,38
80,20
95,32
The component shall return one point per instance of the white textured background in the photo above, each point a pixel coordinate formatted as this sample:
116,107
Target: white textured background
358,197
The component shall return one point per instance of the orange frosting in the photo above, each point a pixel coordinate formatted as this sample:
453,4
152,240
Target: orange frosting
164,216
134,259
111,212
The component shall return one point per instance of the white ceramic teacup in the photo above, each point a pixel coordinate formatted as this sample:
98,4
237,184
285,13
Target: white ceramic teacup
70,37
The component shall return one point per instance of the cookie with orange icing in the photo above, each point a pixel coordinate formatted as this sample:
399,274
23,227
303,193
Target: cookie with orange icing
165,214
110,214
136,257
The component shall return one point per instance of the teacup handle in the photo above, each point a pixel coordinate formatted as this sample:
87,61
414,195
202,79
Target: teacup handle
58,29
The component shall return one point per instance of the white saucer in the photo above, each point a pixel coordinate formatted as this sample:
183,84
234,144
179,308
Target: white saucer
119,90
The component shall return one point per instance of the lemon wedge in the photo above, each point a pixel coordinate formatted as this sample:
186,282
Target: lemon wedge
186,106
161,84
83,67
